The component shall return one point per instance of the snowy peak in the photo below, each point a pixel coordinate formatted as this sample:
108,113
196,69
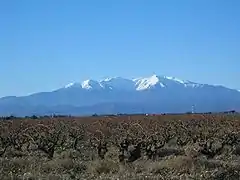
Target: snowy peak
163,82
146,83
91,84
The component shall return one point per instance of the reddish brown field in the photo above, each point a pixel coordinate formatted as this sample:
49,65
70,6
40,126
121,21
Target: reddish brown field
193,146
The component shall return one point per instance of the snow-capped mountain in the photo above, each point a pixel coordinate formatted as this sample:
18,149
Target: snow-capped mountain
139,84
120,95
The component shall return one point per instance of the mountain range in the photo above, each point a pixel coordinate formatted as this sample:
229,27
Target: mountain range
154,94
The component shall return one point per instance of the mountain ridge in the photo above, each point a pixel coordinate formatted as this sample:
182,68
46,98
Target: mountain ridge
137,95
141,83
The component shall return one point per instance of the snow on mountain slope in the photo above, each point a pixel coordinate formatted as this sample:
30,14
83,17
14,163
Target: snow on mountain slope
170,80
137,84
87,84
71,85
176,80
91,84
146,83
164,82
118,83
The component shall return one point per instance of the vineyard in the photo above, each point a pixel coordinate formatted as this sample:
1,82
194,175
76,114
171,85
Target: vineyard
191,146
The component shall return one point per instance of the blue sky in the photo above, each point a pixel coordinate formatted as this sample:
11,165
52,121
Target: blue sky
46,44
